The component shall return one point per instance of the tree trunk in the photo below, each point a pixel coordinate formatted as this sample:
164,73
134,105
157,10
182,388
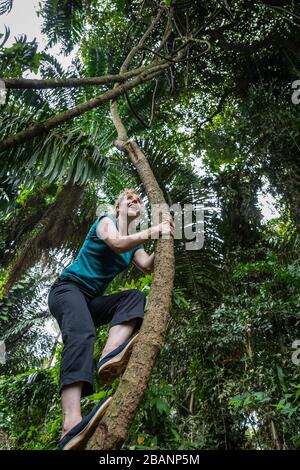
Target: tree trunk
113,429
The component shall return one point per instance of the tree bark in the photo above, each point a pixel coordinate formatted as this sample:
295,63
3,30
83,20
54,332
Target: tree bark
37,84
113,429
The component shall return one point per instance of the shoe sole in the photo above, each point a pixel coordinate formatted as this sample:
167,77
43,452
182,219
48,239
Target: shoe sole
109,371
83,436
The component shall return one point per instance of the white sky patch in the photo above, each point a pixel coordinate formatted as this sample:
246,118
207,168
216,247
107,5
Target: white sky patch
52,327
199,166
23,19
267,205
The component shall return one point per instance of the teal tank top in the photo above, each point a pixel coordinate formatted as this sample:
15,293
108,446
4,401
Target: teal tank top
97,264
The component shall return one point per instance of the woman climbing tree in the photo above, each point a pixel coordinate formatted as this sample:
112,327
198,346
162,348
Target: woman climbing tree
76,301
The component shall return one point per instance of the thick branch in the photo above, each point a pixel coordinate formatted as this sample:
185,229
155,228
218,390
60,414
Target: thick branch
24,83
42,128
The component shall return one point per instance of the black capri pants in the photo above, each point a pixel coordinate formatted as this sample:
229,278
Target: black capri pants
78,313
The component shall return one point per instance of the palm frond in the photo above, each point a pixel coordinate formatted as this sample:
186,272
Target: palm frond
21,56
24,332
63,21
5,36
5,6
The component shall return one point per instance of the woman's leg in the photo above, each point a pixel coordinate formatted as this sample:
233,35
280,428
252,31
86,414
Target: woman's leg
68,305
117,335
71,410
125,312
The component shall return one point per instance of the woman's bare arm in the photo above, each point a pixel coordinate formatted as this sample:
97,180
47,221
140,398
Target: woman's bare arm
143,261
107,231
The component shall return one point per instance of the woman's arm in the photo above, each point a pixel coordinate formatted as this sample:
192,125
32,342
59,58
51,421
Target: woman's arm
143,261
107,230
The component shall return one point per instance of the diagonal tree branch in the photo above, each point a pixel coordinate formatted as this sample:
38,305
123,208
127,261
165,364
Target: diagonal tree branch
42,128
25,83
144,74
134,112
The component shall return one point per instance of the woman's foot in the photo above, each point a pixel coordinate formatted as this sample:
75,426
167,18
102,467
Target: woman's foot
69,424
78,435
115,362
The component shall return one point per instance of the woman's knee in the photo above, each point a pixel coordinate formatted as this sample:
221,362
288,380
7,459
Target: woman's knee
79,336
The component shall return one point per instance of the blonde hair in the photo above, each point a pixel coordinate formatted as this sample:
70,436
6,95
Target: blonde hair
126,192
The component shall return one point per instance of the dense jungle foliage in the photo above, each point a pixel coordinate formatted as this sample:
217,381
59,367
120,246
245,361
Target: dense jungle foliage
220,130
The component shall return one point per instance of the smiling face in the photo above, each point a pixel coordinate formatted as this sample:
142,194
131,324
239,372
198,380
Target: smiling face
129,205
